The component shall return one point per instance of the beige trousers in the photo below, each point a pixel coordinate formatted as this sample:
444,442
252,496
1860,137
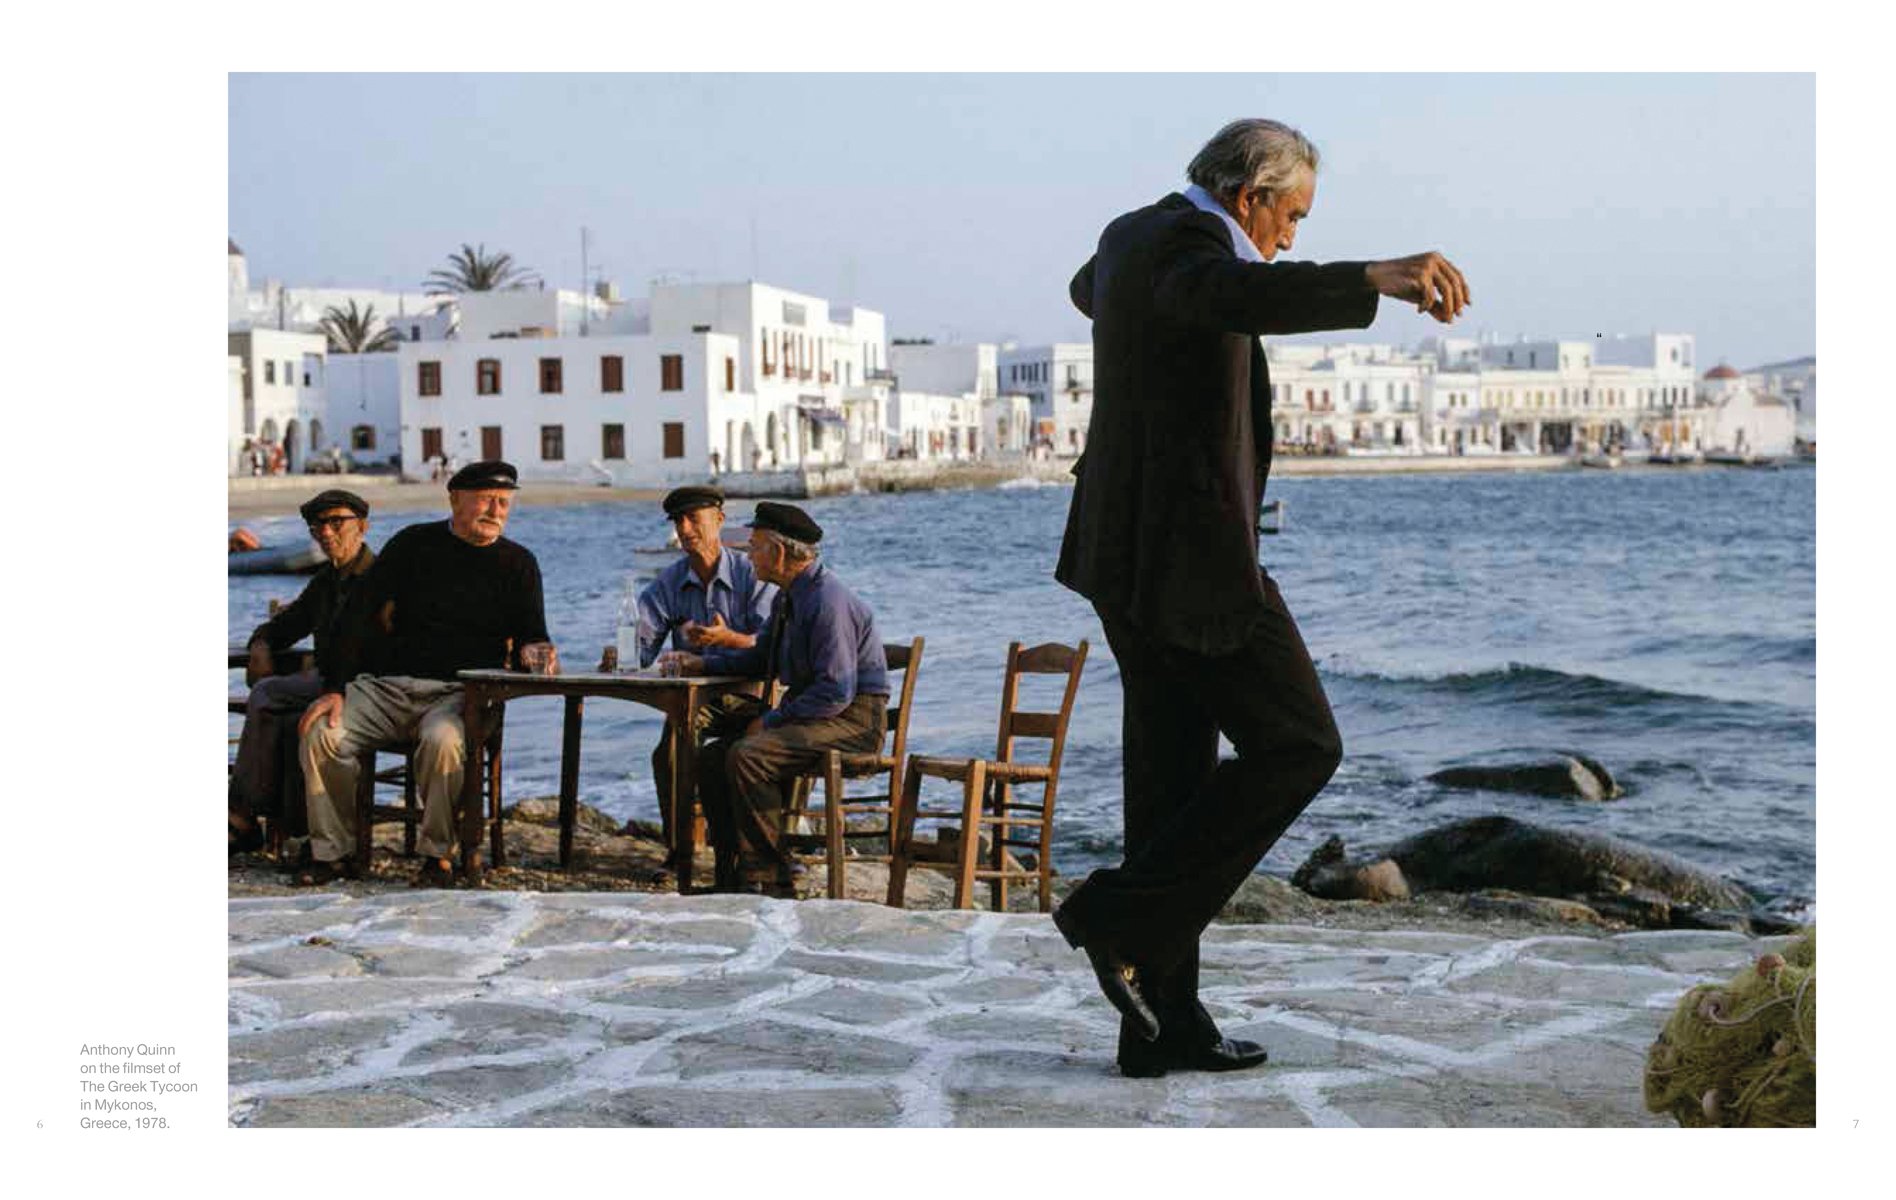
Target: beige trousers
382,711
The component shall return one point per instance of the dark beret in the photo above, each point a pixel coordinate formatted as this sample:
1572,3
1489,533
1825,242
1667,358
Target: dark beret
680,501
322,502
787,519
485,476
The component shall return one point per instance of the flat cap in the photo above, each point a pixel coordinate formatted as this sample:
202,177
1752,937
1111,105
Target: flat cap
680,501
485,476
322,502
787,519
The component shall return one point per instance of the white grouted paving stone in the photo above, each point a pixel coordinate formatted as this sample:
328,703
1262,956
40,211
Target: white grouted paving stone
499,1008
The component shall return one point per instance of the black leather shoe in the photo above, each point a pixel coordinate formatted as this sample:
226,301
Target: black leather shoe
1117,978
1226,1054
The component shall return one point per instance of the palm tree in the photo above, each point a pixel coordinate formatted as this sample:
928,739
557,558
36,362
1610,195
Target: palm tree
472,269
352,332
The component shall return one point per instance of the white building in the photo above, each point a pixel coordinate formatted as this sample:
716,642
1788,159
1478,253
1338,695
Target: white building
935,426
301,309
1744,419
364,407
947,403
1006,426
236,440
704,379
284,391
1057,379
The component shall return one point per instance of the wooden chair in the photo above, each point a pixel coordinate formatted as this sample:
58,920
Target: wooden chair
368,812
987,785
837,766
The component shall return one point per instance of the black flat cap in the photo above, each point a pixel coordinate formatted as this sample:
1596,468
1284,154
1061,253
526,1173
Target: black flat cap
322,502
680,501
485,476
787,519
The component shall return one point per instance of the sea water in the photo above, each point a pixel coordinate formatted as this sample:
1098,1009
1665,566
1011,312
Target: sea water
1660,620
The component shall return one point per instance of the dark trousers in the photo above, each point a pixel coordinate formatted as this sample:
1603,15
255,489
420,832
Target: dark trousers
1196,826
267,777
743,783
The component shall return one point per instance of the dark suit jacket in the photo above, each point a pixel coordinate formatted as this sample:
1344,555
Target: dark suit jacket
1162,530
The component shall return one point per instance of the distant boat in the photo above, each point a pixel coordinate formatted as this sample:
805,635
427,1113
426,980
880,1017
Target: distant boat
1601,458
277,560
1736,458
1670,457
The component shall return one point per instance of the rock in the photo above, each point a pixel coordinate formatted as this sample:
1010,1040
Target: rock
1325,874
1497,902
545,810
1501,852
1266,900
1635,906
1687,916
1573,775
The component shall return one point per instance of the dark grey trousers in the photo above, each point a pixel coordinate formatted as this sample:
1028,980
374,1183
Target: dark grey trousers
266,750
743,784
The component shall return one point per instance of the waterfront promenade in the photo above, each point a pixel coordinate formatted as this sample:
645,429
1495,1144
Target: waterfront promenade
523,1009
275,495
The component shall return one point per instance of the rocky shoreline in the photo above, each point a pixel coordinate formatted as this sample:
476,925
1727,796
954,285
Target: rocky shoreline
608,858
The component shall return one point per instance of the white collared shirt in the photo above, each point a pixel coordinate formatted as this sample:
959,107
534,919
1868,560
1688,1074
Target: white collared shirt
1241,244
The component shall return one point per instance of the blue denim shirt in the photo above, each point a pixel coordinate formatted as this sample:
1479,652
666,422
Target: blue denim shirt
678,595
828,653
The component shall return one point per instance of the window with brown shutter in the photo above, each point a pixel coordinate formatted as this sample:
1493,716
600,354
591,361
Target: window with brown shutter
612,441
428,378
552,443
490,442
674,439
487,377
730,374
611,373
671,370
550,376
431,443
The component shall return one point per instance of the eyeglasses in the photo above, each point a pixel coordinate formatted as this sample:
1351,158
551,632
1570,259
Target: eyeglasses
336,523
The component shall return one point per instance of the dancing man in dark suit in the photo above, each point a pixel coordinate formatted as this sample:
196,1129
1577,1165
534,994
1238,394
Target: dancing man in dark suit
1162,537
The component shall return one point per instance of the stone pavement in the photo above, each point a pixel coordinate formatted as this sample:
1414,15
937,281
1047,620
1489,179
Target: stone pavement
521,1008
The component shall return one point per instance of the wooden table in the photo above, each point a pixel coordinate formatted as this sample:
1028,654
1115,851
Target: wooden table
678,698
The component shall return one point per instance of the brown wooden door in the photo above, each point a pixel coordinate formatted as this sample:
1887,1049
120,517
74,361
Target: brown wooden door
490,442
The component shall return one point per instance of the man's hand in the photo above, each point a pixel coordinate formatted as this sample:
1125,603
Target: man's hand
680,662
717,633
1428,281
328,705
540,658
262,664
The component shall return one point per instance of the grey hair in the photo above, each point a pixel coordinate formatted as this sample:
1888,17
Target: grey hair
796,550
1252,153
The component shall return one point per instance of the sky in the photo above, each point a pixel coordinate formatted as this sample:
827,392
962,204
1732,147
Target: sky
960,205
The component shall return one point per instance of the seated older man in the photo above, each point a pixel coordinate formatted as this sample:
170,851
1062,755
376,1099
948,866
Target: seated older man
821,644
451,595
709,599
338,520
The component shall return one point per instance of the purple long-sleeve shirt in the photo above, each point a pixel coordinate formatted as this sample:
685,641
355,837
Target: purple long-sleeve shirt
828,651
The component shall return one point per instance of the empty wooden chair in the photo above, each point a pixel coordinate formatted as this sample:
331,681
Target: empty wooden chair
987,791
836,766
